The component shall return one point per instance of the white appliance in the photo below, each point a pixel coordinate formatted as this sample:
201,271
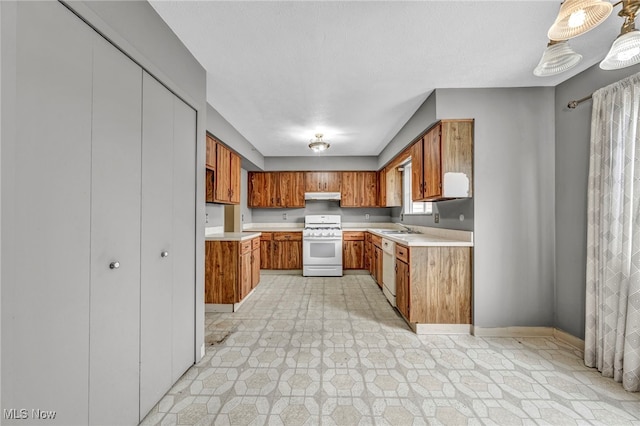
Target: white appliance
389,270
322,196
322,246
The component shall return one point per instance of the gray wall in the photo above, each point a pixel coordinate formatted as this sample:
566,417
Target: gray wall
573,132
449,212
514,182
320,162
376,214
218,126
423,118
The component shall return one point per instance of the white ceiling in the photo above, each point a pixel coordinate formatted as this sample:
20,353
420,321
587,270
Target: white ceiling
281,71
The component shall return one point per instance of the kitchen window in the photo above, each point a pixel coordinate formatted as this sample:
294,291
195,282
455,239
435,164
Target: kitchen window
408,205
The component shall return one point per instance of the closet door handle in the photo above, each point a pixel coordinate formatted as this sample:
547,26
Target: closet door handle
164,254
114,265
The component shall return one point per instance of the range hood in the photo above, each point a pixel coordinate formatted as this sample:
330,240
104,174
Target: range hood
322,196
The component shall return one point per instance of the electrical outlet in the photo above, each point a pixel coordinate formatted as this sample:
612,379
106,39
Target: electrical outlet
366,216
206,218
436,217
284,216
242,217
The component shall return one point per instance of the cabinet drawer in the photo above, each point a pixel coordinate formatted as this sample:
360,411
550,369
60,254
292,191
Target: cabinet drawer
353,236
255,243
287,236
402,253
377,241
245,246
367,237
266,236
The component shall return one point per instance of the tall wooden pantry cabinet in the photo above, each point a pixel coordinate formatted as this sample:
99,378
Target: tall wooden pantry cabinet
98,244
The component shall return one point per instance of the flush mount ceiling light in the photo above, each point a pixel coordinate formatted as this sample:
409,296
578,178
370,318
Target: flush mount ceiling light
579,16
557,58
318,145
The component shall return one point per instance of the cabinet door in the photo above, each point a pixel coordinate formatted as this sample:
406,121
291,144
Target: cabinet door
350,189
255,267
382,188
402,288
287,250
222,264
369,186
244,282
210,185
234,180
313,181
223,174
431,164
211,153
291,189
417,177
353,255
331,181
115,333
266,250
262,189
157,237
379,265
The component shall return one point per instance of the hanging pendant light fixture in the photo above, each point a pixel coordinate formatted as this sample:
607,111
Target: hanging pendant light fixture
319,145
577,17
625,50
557,58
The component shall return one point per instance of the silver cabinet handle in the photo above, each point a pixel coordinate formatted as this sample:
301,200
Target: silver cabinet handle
114,265
164,254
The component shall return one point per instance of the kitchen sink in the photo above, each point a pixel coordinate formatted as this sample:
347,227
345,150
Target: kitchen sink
398,232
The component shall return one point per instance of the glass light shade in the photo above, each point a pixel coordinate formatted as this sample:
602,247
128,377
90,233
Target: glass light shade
319,146
624,52
557,58
577,17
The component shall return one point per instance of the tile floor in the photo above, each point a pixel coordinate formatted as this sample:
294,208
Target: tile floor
309,351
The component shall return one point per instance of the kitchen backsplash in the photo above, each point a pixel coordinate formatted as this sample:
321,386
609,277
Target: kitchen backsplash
376,214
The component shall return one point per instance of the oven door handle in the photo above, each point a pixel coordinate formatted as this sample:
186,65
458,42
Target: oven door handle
323,239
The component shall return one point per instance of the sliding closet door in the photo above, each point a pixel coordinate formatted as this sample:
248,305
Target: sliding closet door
46,179
157,248
184,193
115,237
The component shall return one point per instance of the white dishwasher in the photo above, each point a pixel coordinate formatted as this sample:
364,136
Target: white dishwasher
389,270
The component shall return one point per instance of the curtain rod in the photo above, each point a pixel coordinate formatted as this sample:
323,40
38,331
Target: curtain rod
574,104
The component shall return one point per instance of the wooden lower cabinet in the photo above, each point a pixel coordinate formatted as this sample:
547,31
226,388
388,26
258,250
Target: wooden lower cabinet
230,270
376,247
368,252
433,284
281,250
255,262
353,250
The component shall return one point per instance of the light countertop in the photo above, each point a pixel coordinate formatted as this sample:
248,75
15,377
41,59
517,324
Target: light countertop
231,236
427,237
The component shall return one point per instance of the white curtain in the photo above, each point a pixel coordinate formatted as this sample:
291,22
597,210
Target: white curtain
612,329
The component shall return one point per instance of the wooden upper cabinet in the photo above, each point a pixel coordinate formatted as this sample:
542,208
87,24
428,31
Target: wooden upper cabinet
442,162
417,178
276,189
382,188
211,153
359,189
291,189
236,165
370,189
227,176
432,184
322,181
